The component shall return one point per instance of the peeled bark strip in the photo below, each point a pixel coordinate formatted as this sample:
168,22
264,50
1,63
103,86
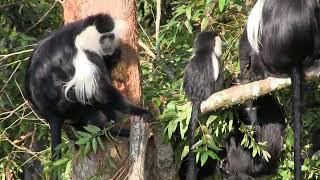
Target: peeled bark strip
242,93
140,133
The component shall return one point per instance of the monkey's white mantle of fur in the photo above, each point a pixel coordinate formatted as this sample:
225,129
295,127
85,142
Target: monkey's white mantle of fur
241,93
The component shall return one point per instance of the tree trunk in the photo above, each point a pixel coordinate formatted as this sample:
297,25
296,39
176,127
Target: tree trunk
117,162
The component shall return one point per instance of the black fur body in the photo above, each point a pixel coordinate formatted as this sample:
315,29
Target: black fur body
201,80
288,38
51,66
268,125
237,162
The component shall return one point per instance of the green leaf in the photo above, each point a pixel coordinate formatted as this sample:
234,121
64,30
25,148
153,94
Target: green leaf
158,102
83,141
185,152
204,158
213,146
75,133
205,129
60,162
211,119
171,128
254,152
244,139
171,106
204,23
188,12
197,157
183,127
266,155
305,168
100,142
222,4
87,149
94,145
68,167
84,134
197,144
213,155
60,146
188,25
92,129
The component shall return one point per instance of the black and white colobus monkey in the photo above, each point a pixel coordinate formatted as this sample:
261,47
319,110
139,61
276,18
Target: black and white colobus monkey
69,75
203,76
268,124
284,34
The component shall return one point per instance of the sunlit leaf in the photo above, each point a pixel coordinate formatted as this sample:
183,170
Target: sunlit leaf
87,149
204,23
188,12
204,158
185,152
94,145
82,140
92,129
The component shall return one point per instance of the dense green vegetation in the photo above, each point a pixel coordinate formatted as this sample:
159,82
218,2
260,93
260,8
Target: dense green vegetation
22,26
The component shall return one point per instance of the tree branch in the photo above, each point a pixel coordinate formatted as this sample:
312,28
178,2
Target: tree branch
158,18
242,93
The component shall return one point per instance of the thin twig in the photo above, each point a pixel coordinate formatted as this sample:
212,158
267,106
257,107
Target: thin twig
146,48
55,2
121,171
33,156
14,62
12,112
19,147
145,33
28,103
15,70
3,56
158,18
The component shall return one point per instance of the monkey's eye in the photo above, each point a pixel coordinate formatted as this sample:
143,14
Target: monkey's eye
108,35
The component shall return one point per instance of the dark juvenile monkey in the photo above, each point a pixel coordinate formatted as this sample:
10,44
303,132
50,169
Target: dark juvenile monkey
202,77
237,162
268,124
69,76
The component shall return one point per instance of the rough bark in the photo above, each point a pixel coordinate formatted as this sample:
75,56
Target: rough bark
242,93
111,163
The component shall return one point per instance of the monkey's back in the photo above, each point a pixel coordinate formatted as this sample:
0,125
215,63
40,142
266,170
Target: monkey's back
198,78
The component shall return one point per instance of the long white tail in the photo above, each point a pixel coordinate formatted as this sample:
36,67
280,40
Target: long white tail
254,25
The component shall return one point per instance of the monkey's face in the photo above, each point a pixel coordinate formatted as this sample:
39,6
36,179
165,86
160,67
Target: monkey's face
109,43
209,41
